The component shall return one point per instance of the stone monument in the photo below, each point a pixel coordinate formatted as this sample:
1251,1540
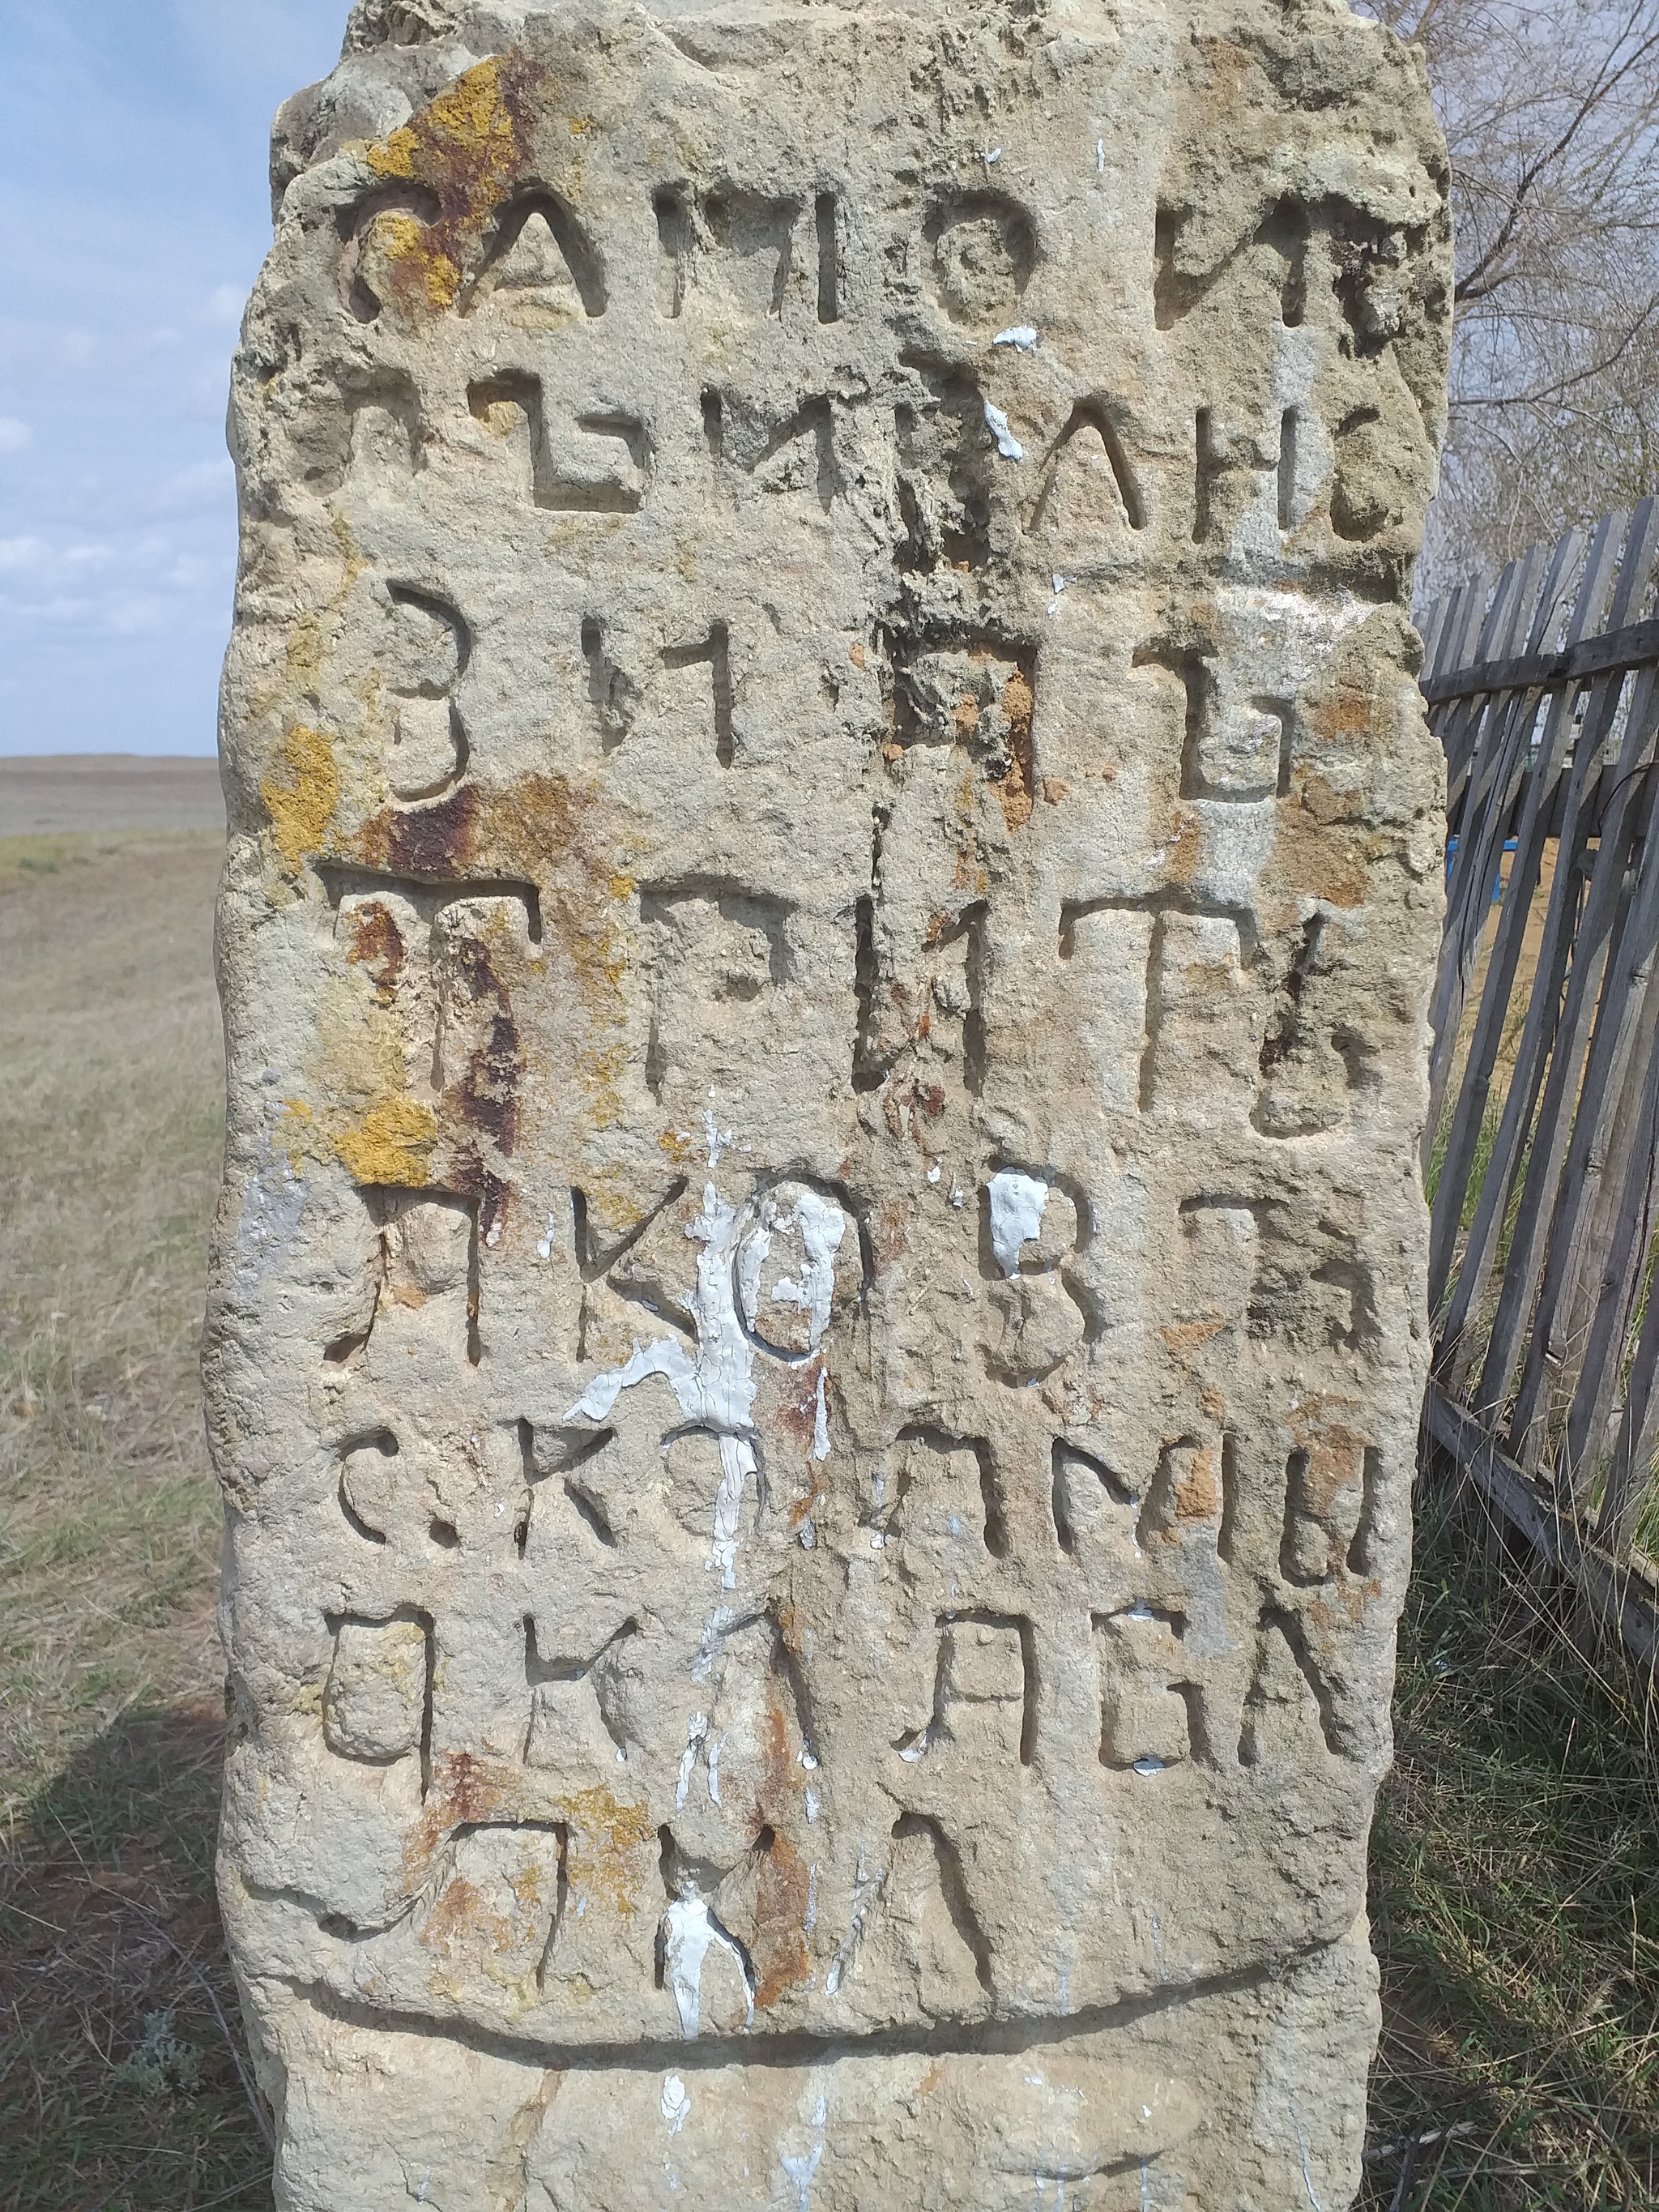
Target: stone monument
817,1316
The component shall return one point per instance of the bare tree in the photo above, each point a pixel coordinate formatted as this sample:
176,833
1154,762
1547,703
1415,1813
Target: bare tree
1551,117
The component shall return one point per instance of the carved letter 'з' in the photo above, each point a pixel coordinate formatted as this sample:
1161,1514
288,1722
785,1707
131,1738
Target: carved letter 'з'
817,1323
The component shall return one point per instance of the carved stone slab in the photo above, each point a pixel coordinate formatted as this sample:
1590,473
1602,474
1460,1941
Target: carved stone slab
818,1320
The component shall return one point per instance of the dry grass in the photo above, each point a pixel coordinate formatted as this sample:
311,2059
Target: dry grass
1516,1871
1515,1900
119,2084
110,1120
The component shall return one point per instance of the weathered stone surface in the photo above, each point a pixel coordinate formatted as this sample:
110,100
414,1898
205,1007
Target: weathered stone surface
818,1320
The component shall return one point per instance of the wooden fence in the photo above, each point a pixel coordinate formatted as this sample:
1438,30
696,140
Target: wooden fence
1543,687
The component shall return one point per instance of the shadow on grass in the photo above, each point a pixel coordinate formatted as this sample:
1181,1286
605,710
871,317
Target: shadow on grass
1515,1897
123,2082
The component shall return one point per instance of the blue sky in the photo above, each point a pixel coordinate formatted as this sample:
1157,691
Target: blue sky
134,215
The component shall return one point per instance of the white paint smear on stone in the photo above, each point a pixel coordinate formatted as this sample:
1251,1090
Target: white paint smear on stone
1018,334
820,1424
1007,445
691,1932
800,2168
823,1225
675,2102
716,1388
718,1141
1017,1205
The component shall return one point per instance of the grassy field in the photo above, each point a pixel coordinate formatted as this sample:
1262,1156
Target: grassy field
119,2082
1516,1885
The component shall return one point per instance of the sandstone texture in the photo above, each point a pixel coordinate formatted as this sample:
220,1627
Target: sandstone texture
817,1315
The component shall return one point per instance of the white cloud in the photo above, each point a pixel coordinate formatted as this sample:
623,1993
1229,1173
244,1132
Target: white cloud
21,552
204,484
14,435
59,609
133,614
225,305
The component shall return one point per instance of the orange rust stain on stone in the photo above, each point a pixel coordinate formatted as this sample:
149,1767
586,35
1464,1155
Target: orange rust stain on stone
1335,1452
1322,798
908,1105
782,1880
1185,1337
782,1893
1346,711
1308,857
889,1231
1187,851
1015,789
439,840
798,1413
1349,1599
611,1843
1198,1489
458,1914
377,944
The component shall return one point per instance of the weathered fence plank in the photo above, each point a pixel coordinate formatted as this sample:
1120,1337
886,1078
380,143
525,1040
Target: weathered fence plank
1543,688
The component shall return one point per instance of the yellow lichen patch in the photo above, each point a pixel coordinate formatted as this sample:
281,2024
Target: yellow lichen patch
359,1065
356,564
612,1848
443,281
576,1987
301,794
500,417
472,117
403,262
393,156
464,149
304,653
294,1133
393,1144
